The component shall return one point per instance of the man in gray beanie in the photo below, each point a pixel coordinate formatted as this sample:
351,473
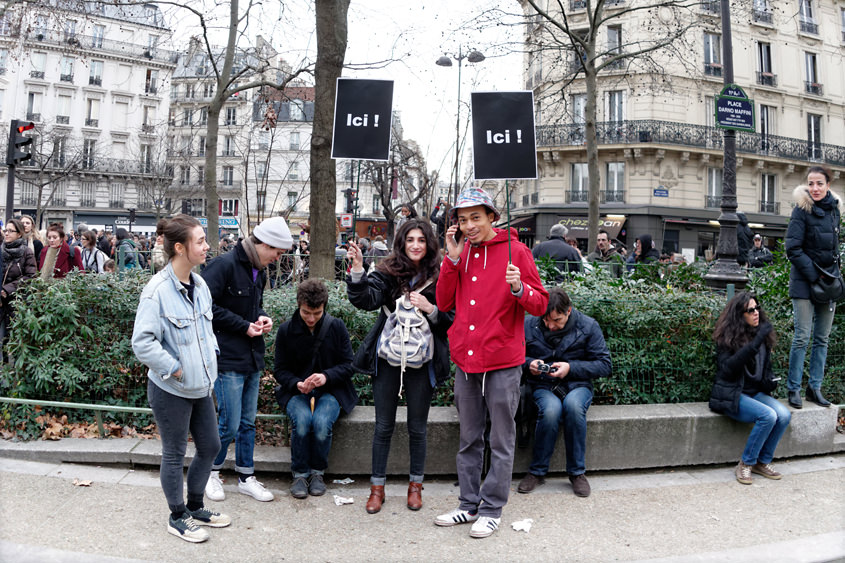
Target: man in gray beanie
558,249
236,281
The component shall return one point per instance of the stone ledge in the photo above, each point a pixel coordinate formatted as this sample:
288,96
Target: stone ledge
618,437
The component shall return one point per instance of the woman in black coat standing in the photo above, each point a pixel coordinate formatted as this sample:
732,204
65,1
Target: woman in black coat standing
411,270
744,383
18,265
812,242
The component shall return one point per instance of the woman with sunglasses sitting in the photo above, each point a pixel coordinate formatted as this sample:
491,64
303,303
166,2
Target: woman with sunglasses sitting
744,383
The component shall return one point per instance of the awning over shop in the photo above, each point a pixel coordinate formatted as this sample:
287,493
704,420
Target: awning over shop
523,225
578,226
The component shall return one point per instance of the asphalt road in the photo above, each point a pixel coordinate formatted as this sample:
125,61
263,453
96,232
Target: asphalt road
687,514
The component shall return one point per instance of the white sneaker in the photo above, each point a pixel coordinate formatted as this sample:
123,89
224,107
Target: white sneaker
455,517
254,489
214,487
484,527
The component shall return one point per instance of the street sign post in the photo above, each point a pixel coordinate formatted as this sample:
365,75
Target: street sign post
734,109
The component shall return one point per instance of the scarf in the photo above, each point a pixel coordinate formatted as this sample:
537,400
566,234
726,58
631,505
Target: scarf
49,263
252,254
13,251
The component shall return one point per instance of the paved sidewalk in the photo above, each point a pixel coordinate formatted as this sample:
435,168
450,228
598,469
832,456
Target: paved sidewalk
695,514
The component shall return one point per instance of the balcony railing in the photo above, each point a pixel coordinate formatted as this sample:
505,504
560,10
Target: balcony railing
767,79
92,122
808,27
228,153
711,201
29,199
33,117
148,128
151,89
66,78
577,4
116,202
613,196
814,88
712,7
577,196
762,16
88,201
59,201
97,43
231,185
688,135
712,69
95,80
770,207
36,74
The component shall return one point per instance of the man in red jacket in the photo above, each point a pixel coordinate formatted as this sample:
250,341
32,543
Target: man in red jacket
490,295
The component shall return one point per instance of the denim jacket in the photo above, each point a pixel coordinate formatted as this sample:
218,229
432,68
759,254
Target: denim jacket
172,333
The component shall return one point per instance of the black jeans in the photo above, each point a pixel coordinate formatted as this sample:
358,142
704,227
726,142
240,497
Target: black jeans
175,416
418,392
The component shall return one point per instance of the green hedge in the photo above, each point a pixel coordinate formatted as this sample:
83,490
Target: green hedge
70,340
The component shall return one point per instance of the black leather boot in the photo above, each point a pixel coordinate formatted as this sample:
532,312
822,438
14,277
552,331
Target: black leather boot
815,395
794,398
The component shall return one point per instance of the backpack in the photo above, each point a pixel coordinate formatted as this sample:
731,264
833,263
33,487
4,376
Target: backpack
406,340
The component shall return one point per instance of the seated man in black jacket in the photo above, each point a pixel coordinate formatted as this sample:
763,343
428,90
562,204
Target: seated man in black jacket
314,371
564,351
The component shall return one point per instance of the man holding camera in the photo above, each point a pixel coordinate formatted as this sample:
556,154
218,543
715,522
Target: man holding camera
564,351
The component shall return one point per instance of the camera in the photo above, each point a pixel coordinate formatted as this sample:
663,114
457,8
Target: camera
546,368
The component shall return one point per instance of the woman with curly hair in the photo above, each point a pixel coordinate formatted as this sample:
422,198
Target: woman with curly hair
744,383
411,270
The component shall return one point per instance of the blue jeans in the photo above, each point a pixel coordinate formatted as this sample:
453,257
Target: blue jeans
237,403
770,418
819,318
418,392
311,433
552,412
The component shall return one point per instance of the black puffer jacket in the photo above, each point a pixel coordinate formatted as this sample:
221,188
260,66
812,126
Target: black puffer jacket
734,366
567,258
812,236
295,350
238,301
373,291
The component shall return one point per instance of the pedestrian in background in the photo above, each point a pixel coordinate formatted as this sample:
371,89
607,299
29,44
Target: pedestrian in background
744,383
173,337
32,235
236,281
93,259
812,246
409,273
759,256
57,258
18,265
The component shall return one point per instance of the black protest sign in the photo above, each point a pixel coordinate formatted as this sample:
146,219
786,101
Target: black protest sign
362,117
503,143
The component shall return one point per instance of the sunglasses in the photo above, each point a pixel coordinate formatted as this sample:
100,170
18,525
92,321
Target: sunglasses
751,310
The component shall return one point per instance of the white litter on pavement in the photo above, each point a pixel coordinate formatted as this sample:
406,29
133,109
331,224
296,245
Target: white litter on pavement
339,500
343,481
523,525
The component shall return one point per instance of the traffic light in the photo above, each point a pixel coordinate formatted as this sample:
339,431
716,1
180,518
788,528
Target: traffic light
17,141
132,215
349,199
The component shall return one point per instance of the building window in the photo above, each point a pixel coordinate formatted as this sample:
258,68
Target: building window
67,69
294,141
189,91
762,12
712,54
228,207
89,149
33,106
187,117
228,175
196,207
70,32
116,195
203,116
4,58
88,194
151,83
260,170
29,195
767,126
293,173
184,175
579,186
95,75
60,193
671,241
842,19
714,187
92,112
814,136
615,183
376,204
811,74
201,148
806,19
97,34
39,62
146,159
261,201
231,116
60,151
614,45
765,74
292,198
228,146
297,110
185,145
200,174
616,106
767,194
208,90
149,118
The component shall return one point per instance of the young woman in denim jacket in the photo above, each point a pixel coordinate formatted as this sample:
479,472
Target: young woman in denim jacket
173,337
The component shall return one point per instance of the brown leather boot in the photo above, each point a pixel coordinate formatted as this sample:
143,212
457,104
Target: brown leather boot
415,496
376,498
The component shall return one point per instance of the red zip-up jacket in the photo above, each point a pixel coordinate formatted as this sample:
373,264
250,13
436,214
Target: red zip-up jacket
489,328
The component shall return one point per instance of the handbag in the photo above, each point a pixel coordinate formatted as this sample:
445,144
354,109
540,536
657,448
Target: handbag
829,288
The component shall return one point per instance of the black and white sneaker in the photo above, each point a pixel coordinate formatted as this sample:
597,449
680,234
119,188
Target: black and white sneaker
206,517
186,528
456,517
484,527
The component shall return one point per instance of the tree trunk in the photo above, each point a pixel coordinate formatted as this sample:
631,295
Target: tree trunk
594,180
331,50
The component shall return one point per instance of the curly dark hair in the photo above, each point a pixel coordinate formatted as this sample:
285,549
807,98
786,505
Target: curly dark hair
397,263
732,331
312,293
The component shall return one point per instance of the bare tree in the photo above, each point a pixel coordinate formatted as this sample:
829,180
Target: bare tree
575,44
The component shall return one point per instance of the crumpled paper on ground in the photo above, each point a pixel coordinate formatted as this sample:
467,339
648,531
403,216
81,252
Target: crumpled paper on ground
343,481
339,500
522,525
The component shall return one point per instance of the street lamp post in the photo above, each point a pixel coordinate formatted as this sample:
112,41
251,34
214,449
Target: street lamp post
727,270
472,57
